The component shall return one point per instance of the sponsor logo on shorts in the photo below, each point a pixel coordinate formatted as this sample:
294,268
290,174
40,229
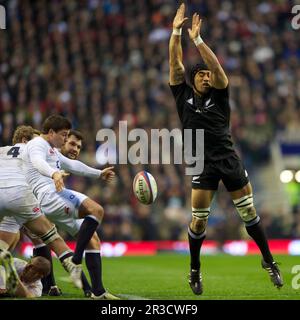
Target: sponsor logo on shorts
36,209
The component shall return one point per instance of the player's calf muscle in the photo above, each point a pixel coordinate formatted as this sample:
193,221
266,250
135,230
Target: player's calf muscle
198,225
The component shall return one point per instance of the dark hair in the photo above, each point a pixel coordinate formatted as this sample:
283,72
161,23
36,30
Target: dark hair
75,133
56,123
22,132
195,69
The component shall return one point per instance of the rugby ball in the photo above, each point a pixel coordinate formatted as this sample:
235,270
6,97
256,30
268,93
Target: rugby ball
145,187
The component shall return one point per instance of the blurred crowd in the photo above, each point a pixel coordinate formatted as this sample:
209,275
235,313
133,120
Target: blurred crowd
101,61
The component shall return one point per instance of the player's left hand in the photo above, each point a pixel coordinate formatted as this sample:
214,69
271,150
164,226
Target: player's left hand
108,174
196,27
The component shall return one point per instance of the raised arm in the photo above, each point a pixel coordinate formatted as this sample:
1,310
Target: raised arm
218,77
78,168
176,75
81,169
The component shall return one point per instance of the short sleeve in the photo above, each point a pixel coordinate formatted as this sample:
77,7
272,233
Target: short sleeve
222,93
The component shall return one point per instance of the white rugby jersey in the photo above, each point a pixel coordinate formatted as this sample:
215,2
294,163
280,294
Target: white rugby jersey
11,169
41,161
35,288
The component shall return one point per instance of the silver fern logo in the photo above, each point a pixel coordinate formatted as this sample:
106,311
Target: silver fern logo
2,18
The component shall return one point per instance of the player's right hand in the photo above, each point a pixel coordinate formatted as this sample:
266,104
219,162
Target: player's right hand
196,27
179,19
58,179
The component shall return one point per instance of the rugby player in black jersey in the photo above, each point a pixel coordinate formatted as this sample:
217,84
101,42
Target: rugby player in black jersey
205,105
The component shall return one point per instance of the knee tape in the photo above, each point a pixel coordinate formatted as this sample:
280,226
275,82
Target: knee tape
50,236
201,213
245,208
199,221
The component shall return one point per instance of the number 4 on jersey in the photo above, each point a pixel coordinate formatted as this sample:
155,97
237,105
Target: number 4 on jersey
14,152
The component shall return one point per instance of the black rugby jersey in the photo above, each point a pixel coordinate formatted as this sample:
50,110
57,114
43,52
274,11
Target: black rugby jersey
210,112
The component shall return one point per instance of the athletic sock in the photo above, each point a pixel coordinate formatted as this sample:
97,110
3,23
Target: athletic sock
65,255
195,243
85,284
257,233
94,266
85,233
48,281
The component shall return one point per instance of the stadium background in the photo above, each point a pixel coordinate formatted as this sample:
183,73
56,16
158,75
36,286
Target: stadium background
99,62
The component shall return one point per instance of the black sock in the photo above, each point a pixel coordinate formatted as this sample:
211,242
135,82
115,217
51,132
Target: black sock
94,266
85,284
258,235
195,243
85,233
65,255
49,280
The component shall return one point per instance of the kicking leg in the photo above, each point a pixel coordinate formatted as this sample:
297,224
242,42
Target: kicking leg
44,229
92,213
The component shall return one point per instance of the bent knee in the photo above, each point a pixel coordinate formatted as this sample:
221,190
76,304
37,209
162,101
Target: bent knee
97,211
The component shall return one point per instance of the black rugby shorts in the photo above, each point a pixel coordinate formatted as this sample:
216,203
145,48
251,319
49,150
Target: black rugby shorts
230,170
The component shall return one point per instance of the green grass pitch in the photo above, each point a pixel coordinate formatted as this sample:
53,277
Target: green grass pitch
164,277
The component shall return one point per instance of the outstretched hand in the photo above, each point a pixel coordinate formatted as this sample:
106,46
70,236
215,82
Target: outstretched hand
108,174
179,19
196,27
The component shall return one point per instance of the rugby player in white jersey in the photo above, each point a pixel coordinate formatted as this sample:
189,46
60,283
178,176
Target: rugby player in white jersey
27,276
44,166
17,200
71,149
9,231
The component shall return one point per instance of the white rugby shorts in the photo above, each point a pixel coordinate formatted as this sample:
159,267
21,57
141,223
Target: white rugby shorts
20,203
61,208
10,224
